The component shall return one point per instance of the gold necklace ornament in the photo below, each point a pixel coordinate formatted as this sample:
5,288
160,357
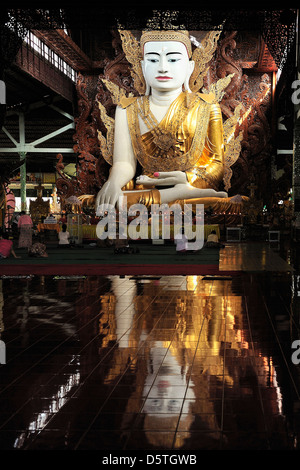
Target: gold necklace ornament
164,137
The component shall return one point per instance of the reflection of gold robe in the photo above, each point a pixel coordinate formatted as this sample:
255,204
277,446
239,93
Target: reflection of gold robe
189,138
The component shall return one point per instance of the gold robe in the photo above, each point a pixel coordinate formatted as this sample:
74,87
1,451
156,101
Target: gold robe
189,138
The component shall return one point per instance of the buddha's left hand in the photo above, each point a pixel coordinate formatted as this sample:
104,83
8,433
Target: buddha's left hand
163,178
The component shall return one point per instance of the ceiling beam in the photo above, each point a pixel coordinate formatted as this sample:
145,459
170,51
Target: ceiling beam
37,105
52,134
22,147
28,148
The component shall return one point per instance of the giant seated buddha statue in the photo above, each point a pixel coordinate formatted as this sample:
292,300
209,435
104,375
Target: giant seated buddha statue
175,134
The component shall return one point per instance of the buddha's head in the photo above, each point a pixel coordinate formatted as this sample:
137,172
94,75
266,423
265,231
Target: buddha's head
166,63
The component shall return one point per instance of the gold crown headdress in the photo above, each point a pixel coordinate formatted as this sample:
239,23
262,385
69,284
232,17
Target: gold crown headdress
168,35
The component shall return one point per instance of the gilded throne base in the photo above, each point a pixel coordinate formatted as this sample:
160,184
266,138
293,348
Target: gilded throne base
230,205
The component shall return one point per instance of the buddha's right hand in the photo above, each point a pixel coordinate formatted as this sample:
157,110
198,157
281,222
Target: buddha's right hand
108,196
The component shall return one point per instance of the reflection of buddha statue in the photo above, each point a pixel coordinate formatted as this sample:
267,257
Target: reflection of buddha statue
174,133
157,350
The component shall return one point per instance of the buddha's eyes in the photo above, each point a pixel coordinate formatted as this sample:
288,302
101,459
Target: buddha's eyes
154,60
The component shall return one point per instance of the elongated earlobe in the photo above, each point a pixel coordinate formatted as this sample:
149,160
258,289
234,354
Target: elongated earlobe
187,79
147,92
186,85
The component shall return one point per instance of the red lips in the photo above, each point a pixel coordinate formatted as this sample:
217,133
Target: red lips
162,77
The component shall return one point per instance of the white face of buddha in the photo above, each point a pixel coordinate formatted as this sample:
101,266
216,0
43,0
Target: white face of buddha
166,65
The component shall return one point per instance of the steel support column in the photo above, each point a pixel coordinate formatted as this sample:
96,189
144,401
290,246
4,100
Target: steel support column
22,161
23,181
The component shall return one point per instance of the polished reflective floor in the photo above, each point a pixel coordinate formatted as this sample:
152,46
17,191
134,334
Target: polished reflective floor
152,362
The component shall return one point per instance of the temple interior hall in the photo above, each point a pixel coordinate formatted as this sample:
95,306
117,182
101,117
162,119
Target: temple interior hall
131,345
